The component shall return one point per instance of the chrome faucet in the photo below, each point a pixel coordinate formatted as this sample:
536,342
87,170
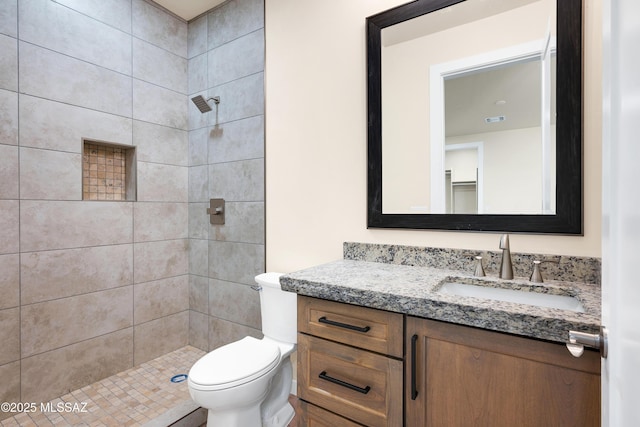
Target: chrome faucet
506,269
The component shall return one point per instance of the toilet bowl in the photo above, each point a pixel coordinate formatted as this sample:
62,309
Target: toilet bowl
247,383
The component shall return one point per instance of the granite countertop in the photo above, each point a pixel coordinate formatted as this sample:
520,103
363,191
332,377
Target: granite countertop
413,290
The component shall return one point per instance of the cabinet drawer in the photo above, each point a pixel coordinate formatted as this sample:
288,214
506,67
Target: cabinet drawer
314,416
368,328
360,385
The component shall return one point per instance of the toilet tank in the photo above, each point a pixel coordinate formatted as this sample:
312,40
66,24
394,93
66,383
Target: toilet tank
279,309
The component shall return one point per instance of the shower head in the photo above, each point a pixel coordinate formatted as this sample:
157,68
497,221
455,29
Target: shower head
203,105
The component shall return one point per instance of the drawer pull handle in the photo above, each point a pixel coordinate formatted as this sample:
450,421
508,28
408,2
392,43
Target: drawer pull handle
414,379
323,319
323,375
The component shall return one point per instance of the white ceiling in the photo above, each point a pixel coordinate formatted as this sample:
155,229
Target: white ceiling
512,91
188,9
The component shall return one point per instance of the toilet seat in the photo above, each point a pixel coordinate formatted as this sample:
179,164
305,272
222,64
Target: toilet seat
234,364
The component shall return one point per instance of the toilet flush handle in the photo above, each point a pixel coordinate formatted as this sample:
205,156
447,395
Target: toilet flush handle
256,288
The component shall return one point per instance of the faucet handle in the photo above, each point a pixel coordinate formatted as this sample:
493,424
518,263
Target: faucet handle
536,275
479,272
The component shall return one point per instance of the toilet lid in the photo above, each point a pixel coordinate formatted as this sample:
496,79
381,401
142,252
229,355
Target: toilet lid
235,363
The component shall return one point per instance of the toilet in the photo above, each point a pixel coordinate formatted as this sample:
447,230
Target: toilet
247,383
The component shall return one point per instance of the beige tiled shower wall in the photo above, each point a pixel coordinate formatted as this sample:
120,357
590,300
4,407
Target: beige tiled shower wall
90,288
226,159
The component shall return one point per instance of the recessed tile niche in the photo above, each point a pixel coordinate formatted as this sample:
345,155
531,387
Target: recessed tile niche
108,171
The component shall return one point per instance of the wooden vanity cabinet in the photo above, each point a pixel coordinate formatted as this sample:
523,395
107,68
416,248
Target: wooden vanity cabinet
350,367
463,376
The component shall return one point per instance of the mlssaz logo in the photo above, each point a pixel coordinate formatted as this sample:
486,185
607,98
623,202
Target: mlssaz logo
78,407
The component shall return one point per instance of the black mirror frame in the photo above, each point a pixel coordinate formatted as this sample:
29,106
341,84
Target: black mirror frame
569,165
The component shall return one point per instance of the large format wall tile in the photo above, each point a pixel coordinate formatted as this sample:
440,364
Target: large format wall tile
198,257
198,221
9,23
159,298
158,66
239,140
9,280
9,226
57,126
8,63
198,293
234,19
52,374
161,336
158,105
153,25
235,262
239,99
234,302
10,390
54,324
197,36
162,183
237,181
198,73
160,144
116,13
50,175
244,222
198,146
199,330
57,274
160,221
62,225
9,335
8,117
8,172
223,332
199,183
159,260
239,58
51,25
51,75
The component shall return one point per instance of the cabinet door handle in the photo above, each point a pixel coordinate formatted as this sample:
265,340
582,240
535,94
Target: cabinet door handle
323,375
324,319
414,379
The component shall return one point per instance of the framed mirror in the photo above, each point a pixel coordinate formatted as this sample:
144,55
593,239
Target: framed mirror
475,116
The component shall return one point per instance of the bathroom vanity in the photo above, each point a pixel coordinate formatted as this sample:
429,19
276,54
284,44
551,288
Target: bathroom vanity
380,344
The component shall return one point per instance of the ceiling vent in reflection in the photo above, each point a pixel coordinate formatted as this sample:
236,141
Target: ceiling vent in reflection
495,119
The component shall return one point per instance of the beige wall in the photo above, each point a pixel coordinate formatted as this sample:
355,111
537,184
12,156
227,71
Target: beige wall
315,82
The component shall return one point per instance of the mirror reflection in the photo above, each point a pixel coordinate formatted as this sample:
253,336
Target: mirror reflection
468,110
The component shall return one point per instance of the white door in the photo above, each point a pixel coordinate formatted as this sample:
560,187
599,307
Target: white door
621,213
545,123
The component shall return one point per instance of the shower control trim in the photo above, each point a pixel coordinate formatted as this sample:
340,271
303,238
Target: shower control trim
216,211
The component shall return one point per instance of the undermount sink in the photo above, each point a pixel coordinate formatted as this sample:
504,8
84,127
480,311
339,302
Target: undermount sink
523,295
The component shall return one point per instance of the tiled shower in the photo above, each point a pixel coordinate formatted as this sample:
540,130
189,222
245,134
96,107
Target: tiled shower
89,288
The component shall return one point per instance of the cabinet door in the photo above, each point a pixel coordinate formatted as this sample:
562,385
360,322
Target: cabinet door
462,376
